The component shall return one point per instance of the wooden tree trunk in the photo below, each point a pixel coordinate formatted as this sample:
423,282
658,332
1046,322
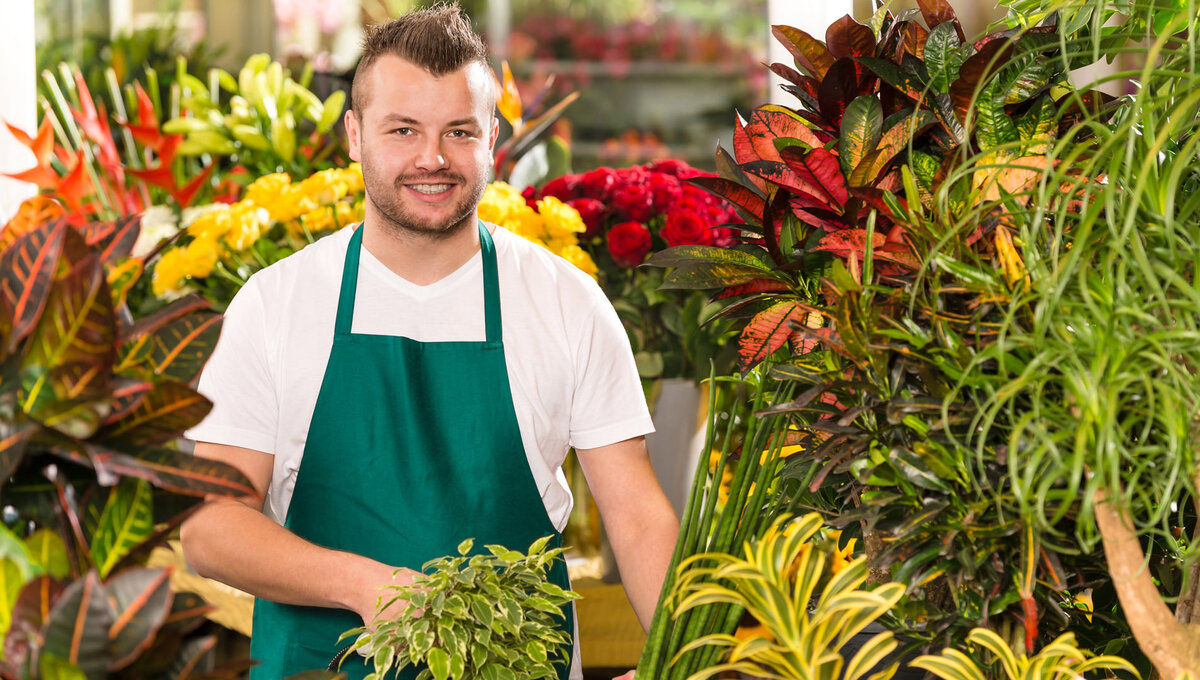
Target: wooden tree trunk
1171,644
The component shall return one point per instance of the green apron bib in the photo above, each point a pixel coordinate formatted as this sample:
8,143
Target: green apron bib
413,447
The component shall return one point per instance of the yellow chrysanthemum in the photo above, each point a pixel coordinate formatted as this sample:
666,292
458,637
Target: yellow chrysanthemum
211,225
270,192
248,222
580,258
560,219
168,273
500,203
199,257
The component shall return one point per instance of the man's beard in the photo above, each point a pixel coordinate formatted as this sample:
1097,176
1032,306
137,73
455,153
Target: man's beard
398,218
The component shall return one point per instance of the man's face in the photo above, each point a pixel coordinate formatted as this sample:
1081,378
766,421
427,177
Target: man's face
425,144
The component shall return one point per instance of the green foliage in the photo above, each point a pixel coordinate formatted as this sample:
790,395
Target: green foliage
89,401
1059,660
778,582
733,500
972,303
266,122
483,616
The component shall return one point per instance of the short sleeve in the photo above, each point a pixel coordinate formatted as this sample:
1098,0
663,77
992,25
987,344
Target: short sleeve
609,404
238,380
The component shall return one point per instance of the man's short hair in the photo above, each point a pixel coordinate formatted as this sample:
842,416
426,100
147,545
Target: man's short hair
439,39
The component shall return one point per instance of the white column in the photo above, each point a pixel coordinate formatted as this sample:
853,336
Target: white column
18,100
809,16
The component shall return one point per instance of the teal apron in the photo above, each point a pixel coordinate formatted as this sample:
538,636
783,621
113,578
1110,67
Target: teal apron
413,447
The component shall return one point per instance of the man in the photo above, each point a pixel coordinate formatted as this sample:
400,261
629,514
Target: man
396,388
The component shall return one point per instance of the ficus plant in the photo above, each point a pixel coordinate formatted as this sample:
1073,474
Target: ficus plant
91,403
484,616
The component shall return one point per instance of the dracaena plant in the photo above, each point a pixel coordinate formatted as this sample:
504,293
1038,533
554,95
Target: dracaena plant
90,405
807,613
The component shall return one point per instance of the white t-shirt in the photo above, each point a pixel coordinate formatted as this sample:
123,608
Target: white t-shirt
570,368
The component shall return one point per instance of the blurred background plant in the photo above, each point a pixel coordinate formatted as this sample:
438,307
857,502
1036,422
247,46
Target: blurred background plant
631,213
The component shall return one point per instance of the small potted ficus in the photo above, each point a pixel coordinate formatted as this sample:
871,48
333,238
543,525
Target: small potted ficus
491,616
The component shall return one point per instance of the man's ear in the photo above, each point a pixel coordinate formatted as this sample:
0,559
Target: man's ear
352,135
495,133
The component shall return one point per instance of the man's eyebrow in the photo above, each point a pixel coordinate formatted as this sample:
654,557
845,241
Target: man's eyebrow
393,118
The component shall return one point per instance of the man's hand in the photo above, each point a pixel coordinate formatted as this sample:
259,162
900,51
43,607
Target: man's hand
367,609
627,676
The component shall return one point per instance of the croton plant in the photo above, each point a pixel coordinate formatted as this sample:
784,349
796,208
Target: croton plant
91,403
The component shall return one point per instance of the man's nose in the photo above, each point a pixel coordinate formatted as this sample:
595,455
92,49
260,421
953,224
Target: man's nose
430,156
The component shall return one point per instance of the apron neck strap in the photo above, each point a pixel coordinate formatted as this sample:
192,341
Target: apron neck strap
491,285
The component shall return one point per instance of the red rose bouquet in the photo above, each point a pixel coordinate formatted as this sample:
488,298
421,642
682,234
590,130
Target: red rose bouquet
631,213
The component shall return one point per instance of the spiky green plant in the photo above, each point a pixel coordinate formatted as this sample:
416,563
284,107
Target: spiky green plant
776,581
1059,660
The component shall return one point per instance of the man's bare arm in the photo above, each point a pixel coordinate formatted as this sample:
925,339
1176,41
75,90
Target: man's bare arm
232,541
639,520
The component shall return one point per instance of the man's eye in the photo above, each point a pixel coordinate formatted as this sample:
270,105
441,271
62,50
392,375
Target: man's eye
402,131
459,133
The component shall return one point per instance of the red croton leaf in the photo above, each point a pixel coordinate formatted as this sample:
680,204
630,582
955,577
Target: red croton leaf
936,12
848,38
853,242
750,288
735,193
810,54
769,330
818,174
769,123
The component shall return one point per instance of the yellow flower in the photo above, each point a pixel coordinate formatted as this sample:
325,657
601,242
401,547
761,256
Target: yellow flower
199,257
580,258
211,225
168,273
248,222
560,218
271,192
501,202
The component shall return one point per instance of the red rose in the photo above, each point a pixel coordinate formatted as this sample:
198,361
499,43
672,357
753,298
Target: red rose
597,183
666,191
685,228
530,196
673,167
563,188
628,243
634,201
593,213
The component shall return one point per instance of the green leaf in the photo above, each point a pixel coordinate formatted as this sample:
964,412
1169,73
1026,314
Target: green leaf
27,269
54,668
72,353
142,599
465,546
77,630
126,521
161,415
903,129
11,582
1039,123
439,663
943,57
177,471
47,550
862,126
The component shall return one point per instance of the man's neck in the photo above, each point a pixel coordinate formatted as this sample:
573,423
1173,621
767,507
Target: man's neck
421,259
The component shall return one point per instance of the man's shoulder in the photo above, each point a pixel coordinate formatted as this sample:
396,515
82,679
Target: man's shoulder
537,267
311,266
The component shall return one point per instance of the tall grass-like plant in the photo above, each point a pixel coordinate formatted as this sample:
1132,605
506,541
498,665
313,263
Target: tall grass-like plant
719,521
1091,381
